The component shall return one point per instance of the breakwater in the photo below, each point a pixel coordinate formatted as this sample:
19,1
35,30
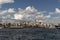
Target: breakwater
29,34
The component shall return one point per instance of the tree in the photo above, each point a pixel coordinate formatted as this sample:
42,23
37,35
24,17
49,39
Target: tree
9,24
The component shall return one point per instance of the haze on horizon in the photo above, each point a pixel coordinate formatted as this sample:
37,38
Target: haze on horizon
28,10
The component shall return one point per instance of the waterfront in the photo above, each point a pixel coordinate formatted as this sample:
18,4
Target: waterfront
28,24
30,34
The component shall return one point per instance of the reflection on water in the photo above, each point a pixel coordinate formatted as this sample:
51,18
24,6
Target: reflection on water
30,34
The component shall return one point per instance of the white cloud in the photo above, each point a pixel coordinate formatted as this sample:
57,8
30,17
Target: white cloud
18,16
3,12
31,9
27,14
40,16
7,13
57,10
48,16
55,15
10,10
7,16
6,1
30,13
57,20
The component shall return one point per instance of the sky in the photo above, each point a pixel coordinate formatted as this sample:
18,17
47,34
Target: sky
30,10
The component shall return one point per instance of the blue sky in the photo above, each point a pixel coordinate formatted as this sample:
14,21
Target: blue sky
47,5
48,10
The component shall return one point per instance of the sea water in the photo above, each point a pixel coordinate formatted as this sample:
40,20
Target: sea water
30,34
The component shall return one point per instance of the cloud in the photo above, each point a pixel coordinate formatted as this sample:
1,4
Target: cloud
40,16
25,14
57,20
30,13
3,12
7,13
6,1
55,15
18,16
10,10
48,16
4,17
57,10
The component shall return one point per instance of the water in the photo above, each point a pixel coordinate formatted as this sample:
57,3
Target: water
30,34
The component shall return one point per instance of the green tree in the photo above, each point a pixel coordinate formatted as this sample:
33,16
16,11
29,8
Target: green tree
9,24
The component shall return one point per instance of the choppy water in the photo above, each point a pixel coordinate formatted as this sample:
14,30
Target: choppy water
30,34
